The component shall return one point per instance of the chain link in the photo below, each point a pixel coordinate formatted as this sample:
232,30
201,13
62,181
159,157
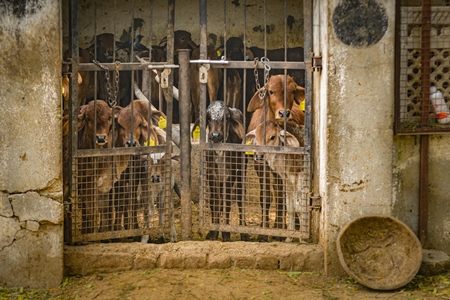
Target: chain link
111,101
264,61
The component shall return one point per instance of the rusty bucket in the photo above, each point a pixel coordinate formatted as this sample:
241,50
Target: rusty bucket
379,252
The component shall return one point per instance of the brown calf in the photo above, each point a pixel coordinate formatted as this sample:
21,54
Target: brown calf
276,111
286,166
214,80
132,128
225,169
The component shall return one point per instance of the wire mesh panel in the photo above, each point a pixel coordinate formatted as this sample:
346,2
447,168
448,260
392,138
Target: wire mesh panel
259,191
112,205
424,70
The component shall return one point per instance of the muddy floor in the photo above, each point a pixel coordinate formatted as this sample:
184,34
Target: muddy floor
227,284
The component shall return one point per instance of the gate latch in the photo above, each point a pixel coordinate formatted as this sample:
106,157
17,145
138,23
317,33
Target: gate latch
203,73
315,203
165,78
316,62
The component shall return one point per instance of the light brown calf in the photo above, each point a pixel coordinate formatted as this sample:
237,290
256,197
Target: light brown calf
286,166
278,109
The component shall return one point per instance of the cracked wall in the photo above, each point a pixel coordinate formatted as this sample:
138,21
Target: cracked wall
31,212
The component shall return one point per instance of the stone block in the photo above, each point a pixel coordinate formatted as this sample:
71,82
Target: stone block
9,228
434,262
32,206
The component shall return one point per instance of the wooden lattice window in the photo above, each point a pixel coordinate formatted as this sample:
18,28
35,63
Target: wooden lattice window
423,67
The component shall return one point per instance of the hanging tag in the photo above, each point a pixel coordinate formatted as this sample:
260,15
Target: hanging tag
249,152
203,73
196,133
151,142
162,123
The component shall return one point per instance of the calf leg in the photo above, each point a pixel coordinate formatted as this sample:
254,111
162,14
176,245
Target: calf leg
262,170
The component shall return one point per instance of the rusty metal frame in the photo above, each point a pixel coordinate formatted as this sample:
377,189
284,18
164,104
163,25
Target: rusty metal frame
72,234
306,151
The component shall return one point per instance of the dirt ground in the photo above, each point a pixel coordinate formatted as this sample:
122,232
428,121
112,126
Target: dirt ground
164,284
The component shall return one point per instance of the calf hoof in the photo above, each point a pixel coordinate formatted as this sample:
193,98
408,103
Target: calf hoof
226,237
145,239
263,238
245,237
212,235
160,240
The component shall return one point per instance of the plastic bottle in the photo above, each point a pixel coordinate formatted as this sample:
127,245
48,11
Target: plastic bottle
440,107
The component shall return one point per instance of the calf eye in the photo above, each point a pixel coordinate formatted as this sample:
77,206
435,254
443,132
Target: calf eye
272,137
271,92
88,119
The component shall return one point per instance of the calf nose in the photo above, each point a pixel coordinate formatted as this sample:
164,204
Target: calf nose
156,179
101,139
259,156
215,136
131,144
282,114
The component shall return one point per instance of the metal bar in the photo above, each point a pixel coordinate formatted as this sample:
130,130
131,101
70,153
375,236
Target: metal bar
424,140
398,16
127,66
202,114
169,111
73,111
185,144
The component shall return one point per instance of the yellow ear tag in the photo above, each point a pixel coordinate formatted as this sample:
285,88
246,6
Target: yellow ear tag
249,152
196,133
63,90
218,53
162,123
302,105
150,143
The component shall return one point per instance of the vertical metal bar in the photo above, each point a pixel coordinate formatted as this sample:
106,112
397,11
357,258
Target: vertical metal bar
398,22
202,115
185,144
424,139
169,110
73,111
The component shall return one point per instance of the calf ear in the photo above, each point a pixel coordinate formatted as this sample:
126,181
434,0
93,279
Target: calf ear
299,94
161,135
156,115
289,139
81,116
251,137
255,102
236,122
80,79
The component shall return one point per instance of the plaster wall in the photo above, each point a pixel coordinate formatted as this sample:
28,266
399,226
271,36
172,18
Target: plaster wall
356,116
31,213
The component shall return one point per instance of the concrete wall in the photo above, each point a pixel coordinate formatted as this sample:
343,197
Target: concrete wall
31,212
356,110
363,168
151,21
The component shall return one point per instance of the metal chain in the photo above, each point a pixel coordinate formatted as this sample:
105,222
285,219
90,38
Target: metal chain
111,101
264,61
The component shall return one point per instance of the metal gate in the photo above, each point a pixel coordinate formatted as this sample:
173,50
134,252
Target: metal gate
117,152
121,183
247,186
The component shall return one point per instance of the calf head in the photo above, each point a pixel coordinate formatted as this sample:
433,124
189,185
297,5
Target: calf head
224,123
132,127
157,164
182,40
95,118
235,48
270,134
274,97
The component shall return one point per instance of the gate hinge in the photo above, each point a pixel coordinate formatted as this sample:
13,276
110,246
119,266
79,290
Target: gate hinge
316,62
315,203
